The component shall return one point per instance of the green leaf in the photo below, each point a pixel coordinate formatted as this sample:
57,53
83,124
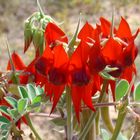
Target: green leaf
23,92
137,92
72,42
31,91
22,105
4,120
59,121
3,109
13,113
105,134
5,126
37,100
12,101
121,89
4,132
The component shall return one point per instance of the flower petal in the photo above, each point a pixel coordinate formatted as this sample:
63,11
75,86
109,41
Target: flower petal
17,62
124,29
53,33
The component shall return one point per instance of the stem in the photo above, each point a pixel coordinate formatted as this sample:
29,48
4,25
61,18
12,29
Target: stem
9,54
106,116
97,122
122,112
121,116
69,115
40,9
32,127
112,24
93,115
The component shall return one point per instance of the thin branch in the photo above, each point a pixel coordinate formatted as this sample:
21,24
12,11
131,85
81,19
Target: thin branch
45,115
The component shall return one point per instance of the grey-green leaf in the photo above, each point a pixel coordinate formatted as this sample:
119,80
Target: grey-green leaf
13,113
137,92
5,126
31,91
23,92
3,109
12,101
121,89
22,105
4,120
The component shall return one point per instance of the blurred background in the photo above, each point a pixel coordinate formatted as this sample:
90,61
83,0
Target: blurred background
14,12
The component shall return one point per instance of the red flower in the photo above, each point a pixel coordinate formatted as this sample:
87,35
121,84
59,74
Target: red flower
28,73
17,62
54,67
81,80
90,36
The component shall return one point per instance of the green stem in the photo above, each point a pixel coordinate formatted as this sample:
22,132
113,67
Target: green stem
106,116
32,127
40,9
97,122
94,114
69,115
121,116
122,112
112,24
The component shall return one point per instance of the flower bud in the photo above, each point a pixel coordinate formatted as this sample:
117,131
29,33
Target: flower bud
38,40
28,35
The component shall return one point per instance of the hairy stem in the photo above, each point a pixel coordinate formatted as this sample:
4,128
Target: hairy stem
32,127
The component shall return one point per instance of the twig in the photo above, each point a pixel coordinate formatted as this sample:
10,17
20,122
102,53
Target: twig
44,115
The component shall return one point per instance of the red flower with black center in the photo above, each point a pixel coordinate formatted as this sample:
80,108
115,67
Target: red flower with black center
89,35
54,68
81,79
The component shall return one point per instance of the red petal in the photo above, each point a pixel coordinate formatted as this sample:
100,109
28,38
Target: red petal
80,56
76,98
44,63
96,60
57,91
129,55
124,30
112,50
53,33
86,91
87,33
60,57
82,93
105,27
128,73
17,61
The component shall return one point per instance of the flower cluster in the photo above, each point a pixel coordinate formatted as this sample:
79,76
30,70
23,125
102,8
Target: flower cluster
81,71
